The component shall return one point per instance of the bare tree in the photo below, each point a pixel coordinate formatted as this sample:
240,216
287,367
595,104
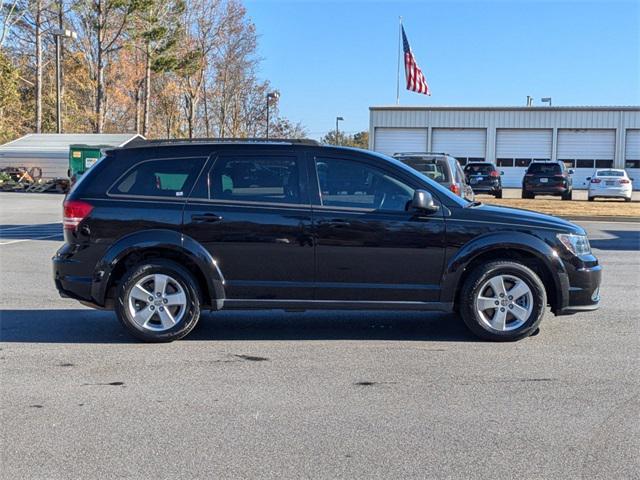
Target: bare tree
102,23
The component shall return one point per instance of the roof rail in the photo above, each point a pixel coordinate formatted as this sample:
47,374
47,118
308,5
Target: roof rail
419,153
285,141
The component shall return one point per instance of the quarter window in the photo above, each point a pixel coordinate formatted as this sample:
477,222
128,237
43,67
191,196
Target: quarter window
255,179
169,177
347,183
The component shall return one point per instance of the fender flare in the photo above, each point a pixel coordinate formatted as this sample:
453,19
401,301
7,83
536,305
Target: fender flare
495,241
154,239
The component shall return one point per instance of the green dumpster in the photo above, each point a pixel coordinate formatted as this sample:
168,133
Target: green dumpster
82,157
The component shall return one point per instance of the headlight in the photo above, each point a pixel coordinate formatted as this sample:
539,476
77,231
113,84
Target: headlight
576,244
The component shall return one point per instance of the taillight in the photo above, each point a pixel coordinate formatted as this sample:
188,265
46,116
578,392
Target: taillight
74,211
595,180
624,180
494,174
455,188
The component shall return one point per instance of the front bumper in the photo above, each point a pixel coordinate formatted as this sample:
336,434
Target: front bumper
583,290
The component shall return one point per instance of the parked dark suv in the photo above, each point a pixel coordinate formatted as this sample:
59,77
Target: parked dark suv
547,178
484,177
162,231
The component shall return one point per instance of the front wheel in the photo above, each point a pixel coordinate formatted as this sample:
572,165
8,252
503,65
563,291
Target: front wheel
158,301
502,301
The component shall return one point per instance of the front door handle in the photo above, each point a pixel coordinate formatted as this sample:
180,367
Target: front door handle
206,218
339,223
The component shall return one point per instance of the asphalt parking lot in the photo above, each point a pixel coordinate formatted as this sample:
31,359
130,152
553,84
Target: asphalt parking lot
311,395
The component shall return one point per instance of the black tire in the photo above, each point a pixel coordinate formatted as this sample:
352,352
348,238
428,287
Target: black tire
568,195
498,194
526,194
182,277
471,290
627,199
591,199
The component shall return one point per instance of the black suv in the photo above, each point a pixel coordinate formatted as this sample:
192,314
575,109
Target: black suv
162,231
484,177
547,178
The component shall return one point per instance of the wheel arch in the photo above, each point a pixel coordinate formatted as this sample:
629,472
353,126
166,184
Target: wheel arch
515,246
137,247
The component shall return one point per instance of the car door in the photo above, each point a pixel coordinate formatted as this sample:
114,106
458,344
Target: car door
251,211
370,246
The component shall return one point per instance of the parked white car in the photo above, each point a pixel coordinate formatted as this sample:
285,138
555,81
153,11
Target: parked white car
610,183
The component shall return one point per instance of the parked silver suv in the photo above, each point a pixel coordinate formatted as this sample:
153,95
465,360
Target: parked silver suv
441,167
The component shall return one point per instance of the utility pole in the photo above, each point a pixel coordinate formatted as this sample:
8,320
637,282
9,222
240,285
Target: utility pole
338,119
60,33
274,96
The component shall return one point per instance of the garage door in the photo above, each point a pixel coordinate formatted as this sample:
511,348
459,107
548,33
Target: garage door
462,143
632,156
397,140
517,148
586,150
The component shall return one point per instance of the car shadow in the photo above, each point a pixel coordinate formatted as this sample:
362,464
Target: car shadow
623,240
92,326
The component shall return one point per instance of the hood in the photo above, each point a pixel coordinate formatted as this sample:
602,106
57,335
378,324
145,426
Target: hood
489,213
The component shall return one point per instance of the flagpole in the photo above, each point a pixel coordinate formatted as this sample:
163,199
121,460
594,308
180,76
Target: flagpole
398,69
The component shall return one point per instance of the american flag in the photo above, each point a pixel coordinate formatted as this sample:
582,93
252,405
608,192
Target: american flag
415,78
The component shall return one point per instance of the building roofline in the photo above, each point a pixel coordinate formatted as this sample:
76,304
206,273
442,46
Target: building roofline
629,108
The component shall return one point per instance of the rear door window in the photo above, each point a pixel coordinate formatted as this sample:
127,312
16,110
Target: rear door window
256,178
167,177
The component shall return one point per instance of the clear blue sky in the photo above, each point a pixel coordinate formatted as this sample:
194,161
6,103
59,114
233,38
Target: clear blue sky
331,58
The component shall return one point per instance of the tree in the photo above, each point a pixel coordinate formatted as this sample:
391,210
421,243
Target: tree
157,28
359,140
102,23
11,124
283,128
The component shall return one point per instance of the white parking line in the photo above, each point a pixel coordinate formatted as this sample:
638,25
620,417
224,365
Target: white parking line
28,239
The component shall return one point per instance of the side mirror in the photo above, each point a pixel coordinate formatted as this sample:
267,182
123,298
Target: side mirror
631,179
571,171
423,200
588,178
501,172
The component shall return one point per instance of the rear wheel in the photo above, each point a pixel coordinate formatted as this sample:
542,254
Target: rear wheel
568,195
526,194
590,199
627,199
502,301
498,194
158,301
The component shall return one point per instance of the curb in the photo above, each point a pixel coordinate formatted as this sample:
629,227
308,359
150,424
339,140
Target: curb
602,219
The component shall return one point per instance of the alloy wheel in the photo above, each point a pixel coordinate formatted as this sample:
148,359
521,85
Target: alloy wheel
504,303
157,302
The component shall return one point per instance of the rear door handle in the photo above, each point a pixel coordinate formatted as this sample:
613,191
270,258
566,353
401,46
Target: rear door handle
206,218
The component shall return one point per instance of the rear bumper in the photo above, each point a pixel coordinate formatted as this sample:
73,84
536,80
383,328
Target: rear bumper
546,189
610,192
70,276
486,188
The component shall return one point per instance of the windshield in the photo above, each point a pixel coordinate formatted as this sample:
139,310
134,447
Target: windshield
478,169
434,168
610,173
442,191
544,168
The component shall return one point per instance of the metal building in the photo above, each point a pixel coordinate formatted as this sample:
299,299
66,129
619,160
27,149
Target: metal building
584,138
50,151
